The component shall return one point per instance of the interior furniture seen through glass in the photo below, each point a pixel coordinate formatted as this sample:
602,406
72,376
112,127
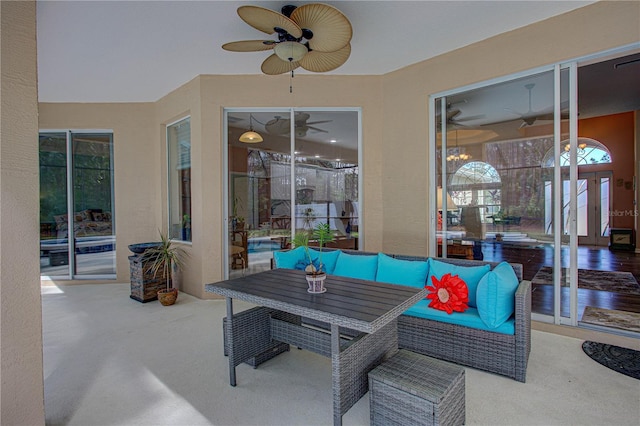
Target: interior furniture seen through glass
77,227
262,201
179,178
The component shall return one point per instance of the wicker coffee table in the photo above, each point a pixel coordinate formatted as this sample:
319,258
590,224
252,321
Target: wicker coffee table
368,307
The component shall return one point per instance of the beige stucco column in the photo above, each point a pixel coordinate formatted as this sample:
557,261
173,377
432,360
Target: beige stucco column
22,394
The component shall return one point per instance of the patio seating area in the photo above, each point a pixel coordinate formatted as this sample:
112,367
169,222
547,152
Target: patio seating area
103,350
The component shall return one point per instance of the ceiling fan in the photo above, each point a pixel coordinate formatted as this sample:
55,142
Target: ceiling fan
314,36
452,113
531,116
282,126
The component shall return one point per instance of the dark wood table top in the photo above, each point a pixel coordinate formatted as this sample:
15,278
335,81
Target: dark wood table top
357,304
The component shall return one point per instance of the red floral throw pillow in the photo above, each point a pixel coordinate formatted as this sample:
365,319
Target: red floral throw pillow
449,294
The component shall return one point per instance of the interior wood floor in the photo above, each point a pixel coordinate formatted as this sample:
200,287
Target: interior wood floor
597,258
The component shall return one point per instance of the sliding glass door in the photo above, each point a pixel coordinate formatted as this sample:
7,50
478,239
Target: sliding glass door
77,226
326,174
303,172
493,173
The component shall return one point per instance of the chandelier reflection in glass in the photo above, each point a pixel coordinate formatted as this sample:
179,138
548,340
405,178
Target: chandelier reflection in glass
457,154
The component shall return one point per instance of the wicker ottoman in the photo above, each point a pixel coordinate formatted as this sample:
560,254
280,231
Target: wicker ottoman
414,389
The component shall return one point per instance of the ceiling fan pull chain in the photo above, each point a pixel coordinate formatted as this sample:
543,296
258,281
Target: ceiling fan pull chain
291,82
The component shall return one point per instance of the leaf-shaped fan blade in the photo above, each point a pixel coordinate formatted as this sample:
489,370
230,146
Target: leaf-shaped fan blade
325,61
249,45
315,129
266,20
274,65
331,29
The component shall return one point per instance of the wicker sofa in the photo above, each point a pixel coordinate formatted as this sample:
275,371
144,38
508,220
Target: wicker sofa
499,353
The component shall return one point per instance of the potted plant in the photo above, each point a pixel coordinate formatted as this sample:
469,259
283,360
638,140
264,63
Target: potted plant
315,275
322,234
302,240
165,258
186,227
237,221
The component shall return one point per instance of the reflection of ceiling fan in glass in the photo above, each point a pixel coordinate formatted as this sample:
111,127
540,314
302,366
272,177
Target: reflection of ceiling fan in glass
282,126
531,116
453,119
313,36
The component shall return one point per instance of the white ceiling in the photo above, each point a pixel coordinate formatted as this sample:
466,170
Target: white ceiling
138,51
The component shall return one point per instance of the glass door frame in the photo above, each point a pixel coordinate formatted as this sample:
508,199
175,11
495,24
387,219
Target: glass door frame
290,112
572,67
71,248
557,181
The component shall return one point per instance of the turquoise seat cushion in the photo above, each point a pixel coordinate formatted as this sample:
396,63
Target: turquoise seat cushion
496,295
329,259
363,266
469,274
469,318
289,259
407,272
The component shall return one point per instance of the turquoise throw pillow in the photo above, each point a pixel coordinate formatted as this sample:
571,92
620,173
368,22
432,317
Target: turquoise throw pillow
288,259
356,266
406,272
329,259
496,294
469,274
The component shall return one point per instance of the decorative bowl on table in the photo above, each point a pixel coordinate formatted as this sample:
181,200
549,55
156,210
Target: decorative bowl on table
139,248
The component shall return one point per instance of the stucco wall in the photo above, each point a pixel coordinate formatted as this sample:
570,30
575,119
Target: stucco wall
208,95
137,171
592,29
395,129
22,390
140,155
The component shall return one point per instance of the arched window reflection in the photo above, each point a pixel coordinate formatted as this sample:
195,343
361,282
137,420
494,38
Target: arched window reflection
589,151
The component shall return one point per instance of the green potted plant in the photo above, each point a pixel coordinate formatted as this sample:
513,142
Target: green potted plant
165,258
186,227
237,221
322,234
301,239
315,275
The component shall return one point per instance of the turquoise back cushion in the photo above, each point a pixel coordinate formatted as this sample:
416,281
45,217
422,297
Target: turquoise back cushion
363,267
407,272
469,274
496,294
288,259
329,259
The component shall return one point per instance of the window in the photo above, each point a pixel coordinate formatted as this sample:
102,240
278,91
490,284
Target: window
476,184
179,149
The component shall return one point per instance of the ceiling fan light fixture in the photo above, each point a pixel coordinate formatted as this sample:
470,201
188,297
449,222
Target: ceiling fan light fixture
250,136
290,51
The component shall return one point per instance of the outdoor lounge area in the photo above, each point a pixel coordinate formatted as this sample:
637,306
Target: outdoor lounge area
108,361
129,123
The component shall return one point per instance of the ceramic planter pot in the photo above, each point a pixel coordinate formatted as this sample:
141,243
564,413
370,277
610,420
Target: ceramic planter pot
316,282
168,297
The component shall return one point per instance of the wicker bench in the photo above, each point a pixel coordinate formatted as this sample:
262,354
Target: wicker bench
413,389
247,319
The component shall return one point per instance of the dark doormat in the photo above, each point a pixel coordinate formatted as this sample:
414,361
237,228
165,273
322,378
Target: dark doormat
617,282
622,360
